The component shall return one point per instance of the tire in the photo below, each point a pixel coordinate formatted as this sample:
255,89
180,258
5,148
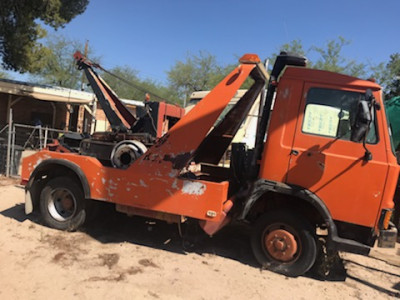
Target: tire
62,204
284,242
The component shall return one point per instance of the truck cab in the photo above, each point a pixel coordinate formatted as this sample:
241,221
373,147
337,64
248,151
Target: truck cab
309,145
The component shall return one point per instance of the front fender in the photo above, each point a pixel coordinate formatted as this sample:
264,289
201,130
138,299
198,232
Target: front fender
334,242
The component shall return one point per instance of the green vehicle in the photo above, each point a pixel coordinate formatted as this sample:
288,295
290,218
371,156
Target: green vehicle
393,112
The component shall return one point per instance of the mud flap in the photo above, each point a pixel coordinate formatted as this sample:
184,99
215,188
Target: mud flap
28,202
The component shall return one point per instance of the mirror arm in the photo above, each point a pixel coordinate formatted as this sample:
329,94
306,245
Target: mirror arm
374,105
368,154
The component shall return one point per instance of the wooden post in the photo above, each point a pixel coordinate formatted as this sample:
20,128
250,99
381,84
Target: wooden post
9,141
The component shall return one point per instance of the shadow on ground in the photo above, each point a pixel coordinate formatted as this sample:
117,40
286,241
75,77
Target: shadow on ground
373,285
231,242
17,213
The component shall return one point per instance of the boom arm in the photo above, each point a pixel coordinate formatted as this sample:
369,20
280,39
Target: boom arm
118,115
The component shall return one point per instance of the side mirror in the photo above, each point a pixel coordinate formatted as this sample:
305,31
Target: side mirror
363,118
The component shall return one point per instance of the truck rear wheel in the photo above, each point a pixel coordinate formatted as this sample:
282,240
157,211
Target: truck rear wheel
62,204
284,242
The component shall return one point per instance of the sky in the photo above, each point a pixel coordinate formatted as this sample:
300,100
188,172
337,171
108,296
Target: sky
151,36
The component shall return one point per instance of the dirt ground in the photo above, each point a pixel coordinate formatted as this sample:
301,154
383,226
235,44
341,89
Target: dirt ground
118,257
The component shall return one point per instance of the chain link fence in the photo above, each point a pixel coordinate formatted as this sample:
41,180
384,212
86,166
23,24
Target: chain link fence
19,140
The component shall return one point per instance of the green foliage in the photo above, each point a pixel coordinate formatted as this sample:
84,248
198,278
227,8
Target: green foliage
122,89
196,73
58,67
201,72
294,46
380,73
20,31
393,76
138,88
4,74
332,60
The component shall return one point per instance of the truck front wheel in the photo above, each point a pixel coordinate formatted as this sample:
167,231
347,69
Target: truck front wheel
62,204
284,242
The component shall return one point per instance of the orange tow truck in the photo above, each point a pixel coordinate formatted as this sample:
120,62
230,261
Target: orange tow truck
322,166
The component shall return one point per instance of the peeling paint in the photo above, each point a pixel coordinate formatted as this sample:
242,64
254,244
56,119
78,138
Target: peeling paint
169,192
162,140
175,184
193,188
142,183
286,93
159,179
179,161
173,173
37,163
152,157
103,180
376,195
128,189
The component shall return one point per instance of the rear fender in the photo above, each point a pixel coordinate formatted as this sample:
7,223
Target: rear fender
47,169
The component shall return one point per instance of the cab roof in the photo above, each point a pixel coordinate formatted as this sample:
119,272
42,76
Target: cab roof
327,77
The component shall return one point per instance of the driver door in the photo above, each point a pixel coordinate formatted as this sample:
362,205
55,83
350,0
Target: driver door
325,161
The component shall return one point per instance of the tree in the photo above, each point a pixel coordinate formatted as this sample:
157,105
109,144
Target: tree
196,73
4,75
332,60
122,89
393,76
138,88
380,73
294,46
58,67
20,31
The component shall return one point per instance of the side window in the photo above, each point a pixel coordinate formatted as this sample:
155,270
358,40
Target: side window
331,113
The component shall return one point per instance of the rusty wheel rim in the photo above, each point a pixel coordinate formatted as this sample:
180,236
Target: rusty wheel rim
281,243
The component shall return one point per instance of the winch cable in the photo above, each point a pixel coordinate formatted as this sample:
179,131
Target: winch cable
138,88
132,84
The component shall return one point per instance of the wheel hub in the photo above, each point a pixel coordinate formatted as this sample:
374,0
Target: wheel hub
281,245
62,204
67,203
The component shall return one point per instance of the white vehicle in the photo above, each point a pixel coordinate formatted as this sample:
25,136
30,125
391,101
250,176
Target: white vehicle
247,131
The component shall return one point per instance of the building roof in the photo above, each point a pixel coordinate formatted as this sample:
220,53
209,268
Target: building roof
45,92
132,102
